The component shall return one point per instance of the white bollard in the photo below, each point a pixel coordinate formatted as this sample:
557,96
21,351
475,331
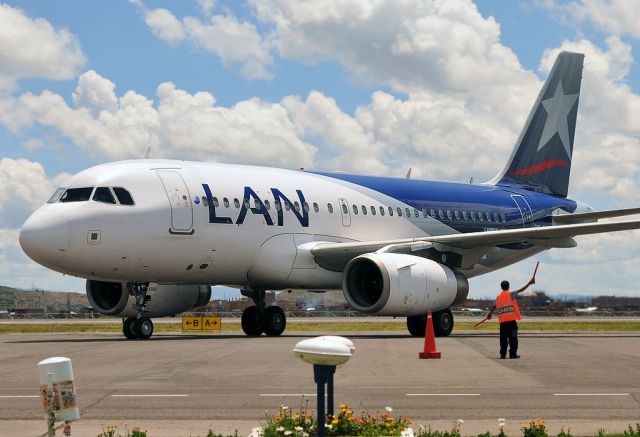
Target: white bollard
65,403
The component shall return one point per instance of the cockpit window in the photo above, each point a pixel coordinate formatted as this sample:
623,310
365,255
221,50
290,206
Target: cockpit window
123,196
57,195
103,194
77,194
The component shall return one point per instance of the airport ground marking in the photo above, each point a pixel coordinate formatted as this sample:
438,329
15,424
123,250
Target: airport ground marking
17,396
274,395
442,394
151,396
592,394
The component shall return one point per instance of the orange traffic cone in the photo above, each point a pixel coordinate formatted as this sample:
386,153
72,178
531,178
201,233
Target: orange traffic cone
429,341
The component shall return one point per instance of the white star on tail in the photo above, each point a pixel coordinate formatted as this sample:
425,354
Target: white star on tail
558,108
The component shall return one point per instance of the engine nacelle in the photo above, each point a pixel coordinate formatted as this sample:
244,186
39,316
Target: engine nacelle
113,299
393,284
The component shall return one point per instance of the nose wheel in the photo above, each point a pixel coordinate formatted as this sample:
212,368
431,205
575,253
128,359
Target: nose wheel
140,327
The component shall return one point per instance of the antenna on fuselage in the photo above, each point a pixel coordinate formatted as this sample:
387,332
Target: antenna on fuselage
147,153
409,173
471,180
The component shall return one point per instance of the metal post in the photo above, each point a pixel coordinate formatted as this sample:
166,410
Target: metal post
320,376
51,412
331,371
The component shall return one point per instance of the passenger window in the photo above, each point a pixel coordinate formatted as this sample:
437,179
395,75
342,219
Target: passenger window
355,209
473,215
457,214
449,215
424,213
296,205
77,194
315,207
215,202
247,204
441,214
330,208
205,201
278,205
256,204
305,205
480,217
103,194
464,215
124,197
488,217
236,202
408,212
390,212
495,217
56,196
267,204
504,218
382,210
373,210
225,201
344,209
416,213
287,205
399,212
364,210
432,213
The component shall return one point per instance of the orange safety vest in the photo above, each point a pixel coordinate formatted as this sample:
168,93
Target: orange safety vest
507,308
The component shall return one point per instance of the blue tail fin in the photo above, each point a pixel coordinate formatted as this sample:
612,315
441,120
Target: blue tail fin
541,159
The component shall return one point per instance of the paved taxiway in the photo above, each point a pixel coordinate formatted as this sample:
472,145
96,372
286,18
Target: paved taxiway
229,381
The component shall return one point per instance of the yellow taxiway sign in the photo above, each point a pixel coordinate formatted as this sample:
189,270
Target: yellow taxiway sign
193,324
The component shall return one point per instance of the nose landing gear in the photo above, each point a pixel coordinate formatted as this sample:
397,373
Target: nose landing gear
259,318
140,327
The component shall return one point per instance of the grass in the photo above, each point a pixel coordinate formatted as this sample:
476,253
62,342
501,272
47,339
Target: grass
330,326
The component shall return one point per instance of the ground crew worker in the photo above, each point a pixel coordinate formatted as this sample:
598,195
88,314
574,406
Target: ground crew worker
506,307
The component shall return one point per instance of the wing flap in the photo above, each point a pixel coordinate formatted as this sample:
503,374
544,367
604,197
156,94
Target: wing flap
566,219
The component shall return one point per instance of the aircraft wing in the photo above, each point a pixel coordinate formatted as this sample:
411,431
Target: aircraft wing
566,219
336,255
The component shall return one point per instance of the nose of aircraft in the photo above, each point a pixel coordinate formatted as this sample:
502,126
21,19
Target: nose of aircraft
44,237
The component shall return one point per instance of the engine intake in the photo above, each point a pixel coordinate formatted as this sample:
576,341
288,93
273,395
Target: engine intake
401,285
113,299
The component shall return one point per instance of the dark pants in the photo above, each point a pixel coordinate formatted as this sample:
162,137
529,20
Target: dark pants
509,337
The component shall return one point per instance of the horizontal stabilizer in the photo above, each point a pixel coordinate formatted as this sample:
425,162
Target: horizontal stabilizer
583,217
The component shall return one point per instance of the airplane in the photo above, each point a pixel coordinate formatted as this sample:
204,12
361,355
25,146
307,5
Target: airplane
151,236
586,310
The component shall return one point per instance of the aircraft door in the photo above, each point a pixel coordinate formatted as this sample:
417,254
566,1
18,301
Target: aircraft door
179,200
344,211
525,209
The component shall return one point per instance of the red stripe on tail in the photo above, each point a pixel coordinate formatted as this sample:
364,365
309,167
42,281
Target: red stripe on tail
541,167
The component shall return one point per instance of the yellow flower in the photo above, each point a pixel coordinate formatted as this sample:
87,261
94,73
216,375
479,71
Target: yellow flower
343,406
349,412
390,419
334,422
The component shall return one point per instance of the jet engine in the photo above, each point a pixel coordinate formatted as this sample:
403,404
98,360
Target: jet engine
113,299
392,284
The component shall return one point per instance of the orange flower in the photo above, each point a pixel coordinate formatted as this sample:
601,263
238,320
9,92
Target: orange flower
334,422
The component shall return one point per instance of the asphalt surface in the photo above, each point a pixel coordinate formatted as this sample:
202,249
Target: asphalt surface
184,385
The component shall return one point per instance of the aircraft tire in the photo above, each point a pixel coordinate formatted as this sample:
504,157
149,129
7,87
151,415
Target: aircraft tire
251,321
129,328
144,328
274,321
417,325
442,323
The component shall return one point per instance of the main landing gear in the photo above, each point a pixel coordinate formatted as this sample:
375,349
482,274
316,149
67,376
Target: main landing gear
442,324
259,318
140,327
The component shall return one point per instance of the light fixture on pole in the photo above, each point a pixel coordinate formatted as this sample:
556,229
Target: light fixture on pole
325,353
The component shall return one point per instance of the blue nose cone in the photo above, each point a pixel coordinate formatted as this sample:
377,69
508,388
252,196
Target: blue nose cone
44,237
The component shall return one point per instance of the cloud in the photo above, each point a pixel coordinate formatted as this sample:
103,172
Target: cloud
181,125
34,48
614,17
235,42
24,186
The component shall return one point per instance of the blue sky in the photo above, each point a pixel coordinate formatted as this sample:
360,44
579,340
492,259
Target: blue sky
365,86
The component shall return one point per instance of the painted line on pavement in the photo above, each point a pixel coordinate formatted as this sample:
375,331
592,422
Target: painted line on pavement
442,394
265,395
18,396
150,396
591,394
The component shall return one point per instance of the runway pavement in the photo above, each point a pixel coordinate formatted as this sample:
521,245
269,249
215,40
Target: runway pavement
191,383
